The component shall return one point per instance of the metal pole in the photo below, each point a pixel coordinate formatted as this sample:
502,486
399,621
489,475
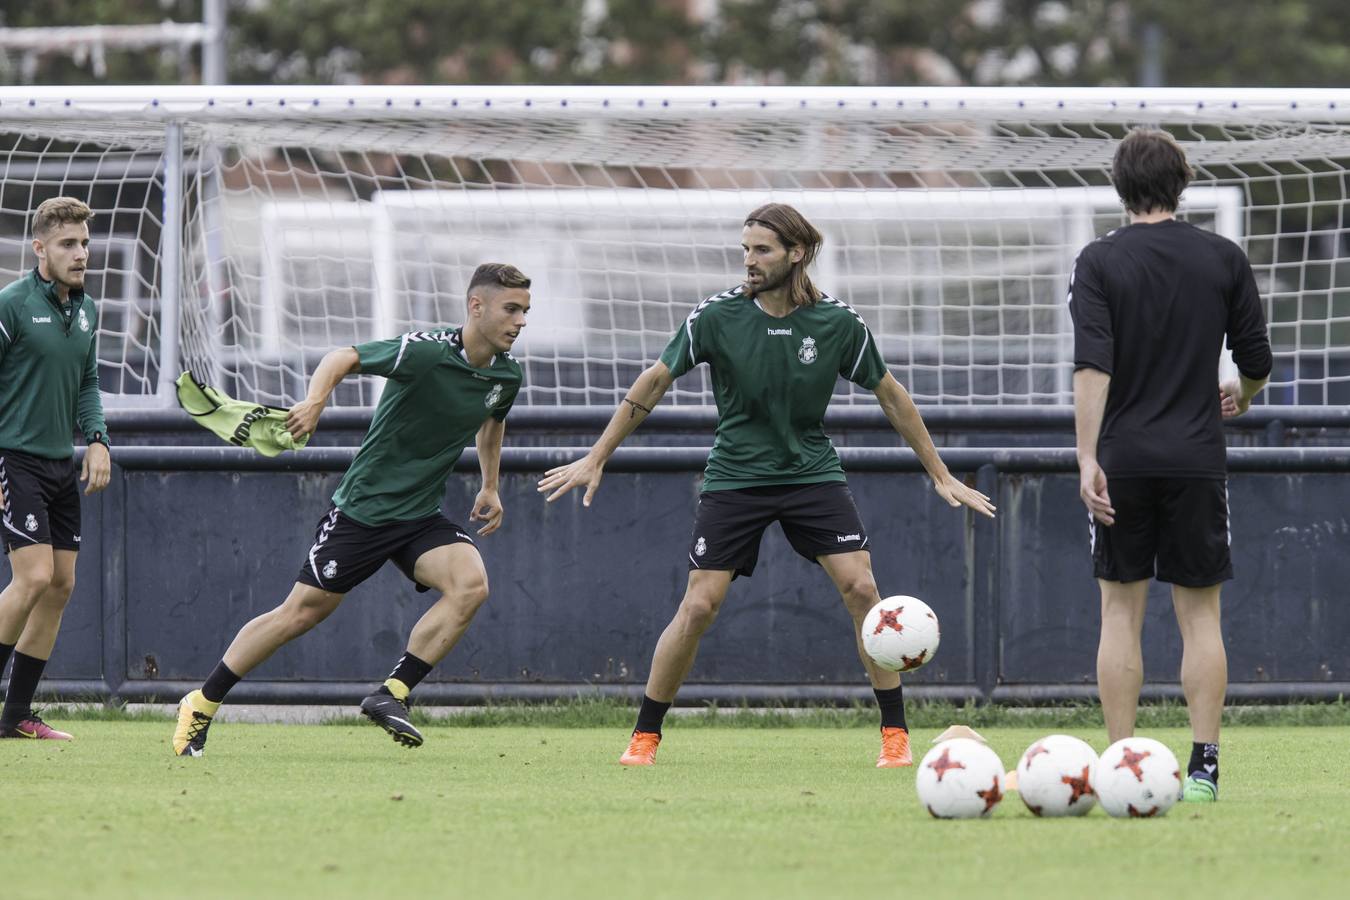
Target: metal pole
213,43
170,255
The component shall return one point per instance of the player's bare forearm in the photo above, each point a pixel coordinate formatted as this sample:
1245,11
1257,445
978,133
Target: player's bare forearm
1235,397
905,419
636,405
587,471
1090,388
489,444
336,365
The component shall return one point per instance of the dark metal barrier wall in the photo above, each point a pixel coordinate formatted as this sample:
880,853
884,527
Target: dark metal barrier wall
189,542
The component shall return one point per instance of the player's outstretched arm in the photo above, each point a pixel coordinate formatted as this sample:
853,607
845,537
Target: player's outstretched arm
336,365
904,417
642,397
1090,388
487,506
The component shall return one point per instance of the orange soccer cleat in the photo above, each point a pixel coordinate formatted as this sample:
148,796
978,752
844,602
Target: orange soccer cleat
641,749
894,749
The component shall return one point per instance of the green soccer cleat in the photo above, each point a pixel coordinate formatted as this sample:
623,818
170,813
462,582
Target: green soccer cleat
1199,788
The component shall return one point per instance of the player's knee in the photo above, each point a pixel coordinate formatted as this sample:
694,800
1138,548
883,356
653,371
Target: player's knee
860,594
61,586
471,594
699,611
31,580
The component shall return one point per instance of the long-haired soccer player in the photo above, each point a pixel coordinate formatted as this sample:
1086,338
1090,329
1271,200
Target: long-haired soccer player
446,389
48,387
1152,303
776,346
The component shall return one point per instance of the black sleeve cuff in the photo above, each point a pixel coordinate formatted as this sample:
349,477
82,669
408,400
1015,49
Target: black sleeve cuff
99,437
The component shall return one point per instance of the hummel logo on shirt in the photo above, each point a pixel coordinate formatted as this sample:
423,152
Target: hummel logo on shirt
42,320
786,331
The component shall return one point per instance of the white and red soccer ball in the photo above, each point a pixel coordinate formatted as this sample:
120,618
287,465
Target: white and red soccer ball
1054,776
1137,778
960,779
901,633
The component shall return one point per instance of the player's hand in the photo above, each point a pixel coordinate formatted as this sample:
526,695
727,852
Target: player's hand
97,468
561,479
303,418
1092,488
487,507
957,493
1231,401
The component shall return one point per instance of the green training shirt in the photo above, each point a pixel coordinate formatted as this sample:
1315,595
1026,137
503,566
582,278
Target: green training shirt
772,380
431,409
48,369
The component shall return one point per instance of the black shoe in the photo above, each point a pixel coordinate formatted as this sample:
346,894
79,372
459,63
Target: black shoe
391,714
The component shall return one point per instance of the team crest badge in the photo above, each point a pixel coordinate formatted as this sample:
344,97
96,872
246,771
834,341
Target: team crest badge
807,353
493,396
84,321
701,547
31,522
331,569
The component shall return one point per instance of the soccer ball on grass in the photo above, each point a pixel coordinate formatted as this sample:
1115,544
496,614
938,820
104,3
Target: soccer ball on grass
960,779
1137,777
1054,776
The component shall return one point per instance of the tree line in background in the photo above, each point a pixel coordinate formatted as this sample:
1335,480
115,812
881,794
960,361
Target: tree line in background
843,42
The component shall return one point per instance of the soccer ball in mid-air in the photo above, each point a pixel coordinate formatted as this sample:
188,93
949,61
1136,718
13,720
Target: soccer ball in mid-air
1137,777
960,779
1054,776
901,633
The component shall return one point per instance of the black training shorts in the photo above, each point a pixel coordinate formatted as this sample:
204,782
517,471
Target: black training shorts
1174,529
818,519
346,553
42,501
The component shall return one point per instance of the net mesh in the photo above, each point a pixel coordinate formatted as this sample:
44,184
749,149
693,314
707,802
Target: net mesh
951,233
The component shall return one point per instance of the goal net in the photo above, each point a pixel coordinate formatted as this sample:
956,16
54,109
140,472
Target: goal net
244,232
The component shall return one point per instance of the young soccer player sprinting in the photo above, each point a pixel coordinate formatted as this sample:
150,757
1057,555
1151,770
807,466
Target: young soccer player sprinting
48,388
1152,303
775,345
446,389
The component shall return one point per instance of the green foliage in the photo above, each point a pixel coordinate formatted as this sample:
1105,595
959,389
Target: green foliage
1041,42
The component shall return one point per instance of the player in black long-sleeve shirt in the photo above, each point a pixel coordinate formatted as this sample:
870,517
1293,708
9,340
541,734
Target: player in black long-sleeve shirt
1152,303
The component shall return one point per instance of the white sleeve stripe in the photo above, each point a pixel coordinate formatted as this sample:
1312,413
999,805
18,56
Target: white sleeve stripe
689,330
858,362
403,346
6,332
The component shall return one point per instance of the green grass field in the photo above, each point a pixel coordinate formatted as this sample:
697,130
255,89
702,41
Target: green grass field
510,811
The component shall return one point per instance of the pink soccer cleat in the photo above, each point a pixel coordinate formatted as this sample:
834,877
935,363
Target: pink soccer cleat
33,728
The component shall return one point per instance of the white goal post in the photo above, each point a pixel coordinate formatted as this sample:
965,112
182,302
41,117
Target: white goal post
245,231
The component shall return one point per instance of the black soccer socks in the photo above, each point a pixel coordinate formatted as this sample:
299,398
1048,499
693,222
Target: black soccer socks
892,703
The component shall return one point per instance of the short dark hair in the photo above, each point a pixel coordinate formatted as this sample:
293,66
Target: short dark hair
499,275
1150,171
58,211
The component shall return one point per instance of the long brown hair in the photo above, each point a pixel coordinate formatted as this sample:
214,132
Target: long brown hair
793,231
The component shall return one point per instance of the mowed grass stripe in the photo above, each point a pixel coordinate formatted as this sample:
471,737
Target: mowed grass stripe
341,811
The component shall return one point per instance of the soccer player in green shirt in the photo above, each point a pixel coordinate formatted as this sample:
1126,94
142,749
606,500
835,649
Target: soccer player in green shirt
775,345
446,389
48,387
